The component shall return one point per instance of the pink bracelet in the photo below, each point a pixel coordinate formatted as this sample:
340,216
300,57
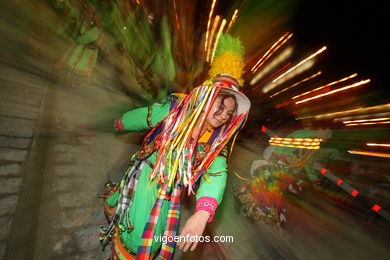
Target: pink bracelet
208,204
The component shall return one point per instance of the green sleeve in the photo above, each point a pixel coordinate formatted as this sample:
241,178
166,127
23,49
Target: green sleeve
216,187
144,118
89,36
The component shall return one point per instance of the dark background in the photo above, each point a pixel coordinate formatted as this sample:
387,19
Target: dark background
356,33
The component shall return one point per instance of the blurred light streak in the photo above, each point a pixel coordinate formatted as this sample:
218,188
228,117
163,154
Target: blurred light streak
296,146
215,24
362,117
297,139
367,120
208,25
176,17
232,20
282,40
299,82
217,39
327,85
300,63
303,68
306,143
271,76
375,144
369,153
335,91
275,62
372,123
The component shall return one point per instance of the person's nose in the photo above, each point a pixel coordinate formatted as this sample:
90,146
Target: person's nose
225,116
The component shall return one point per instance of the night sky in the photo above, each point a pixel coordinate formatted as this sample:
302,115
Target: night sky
354,31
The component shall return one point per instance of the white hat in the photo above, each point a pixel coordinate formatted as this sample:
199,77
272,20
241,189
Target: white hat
230,85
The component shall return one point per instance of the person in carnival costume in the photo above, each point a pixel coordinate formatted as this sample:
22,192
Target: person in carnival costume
186,147
83,56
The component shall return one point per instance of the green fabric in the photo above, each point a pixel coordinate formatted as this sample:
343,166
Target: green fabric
88,36
136,120
82,60
216,187
146,192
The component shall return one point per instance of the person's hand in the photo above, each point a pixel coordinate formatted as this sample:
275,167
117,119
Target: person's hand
193,228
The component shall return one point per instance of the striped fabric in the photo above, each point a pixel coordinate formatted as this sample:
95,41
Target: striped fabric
127,188
172,225
172,222
144,250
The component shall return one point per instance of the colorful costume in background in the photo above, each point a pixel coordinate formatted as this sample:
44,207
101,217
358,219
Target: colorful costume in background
82,59
261,198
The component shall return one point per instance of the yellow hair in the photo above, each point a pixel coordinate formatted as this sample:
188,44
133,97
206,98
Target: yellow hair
228,63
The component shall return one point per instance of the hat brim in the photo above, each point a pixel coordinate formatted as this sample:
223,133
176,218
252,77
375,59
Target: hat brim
244,104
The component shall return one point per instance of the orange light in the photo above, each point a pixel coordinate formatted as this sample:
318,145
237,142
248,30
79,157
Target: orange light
176,17
217,38
282,40
295,146
327,85
367,120
208,24
232,20
273,74
215,24
369,123
300,63
296,84
369,153
374,144
335,91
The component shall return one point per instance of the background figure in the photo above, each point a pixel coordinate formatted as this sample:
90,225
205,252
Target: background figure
284,169
82,58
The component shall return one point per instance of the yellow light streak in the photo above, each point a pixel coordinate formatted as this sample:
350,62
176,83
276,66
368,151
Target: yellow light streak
271,50
375,144
335,91
296,146
372,123
276,62
297,139
296,84
297,143
367,120
232,20
217,39
327,85
362,152
300,63
215,24
208,24
374,109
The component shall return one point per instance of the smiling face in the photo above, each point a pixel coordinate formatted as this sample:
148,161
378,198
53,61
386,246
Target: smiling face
223,109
